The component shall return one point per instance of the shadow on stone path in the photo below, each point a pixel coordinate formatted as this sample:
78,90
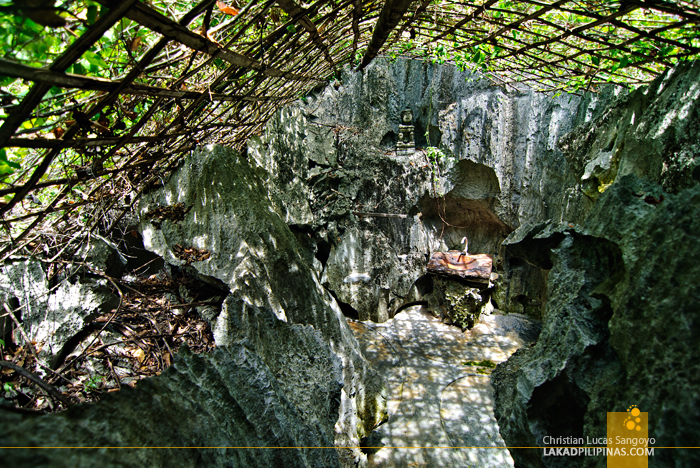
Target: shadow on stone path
433,399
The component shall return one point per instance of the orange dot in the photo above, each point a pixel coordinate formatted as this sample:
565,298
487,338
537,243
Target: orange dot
630,425
635,412
638,420
639,428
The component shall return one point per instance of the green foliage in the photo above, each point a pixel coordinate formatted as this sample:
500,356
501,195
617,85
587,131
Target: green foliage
616,52
485,363
9,389
6,166
94,382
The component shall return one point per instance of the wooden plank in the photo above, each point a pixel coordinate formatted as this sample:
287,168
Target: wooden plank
474,267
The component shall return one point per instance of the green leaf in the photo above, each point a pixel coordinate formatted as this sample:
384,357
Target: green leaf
94,59
78,69
595,60
92,14
6,80
5,162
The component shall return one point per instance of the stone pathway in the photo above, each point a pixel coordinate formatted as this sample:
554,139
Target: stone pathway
433,399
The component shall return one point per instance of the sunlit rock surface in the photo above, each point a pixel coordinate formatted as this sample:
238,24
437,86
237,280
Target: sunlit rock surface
621,327
50,317
652,132
436,401
237,223
226,398
333,155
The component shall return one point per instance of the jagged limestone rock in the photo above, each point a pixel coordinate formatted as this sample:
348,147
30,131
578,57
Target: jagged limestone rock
620,327
364,271
226,398
455,302
70,307
494,165
103,256
50,317
236,223
23,289
652,132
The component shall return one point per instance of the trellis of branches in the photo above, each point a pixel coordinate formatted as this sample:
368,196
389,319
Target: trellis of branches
101,99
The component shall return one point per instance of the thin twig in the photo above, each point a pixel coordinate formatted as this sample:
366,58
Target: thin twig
114,314
48,388
29,345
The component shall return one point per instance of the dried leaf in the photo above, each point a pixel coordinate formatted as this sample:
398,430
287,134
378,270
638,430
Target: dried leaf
139,354
135,43
226,9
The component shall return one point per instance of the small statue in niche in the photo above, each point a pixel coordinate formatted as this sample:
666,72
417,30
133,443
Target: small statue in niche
406,145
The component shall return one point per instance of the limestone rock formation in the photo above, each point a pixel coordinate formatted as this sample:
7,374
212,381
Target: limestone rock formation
455,302
69,309
489,163
22,284
103,256
50,317
652,132
227,398
620,326
234,230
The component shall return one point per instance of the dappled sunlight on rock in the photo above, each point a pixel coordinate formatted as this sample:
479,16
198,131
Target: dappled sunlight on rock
437,404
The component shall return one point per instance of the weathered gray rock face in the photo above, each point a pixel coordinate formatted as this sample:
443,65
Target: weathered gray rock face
236,221
50,317
620,327
227,398
22,284
652,132
455,302
499,166
103,256
68,309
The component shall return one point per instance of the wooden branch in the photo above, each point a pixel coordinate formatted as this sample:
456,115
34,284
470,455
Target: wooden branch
84,142
379,215
150,18
391,14
420,10
479,10
113,15
69,80
66,59
30,376
292,9
623,11
514,25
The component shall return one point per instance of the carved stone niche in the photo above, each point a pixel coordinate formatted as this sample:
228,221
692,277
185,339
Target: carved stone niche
406,143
